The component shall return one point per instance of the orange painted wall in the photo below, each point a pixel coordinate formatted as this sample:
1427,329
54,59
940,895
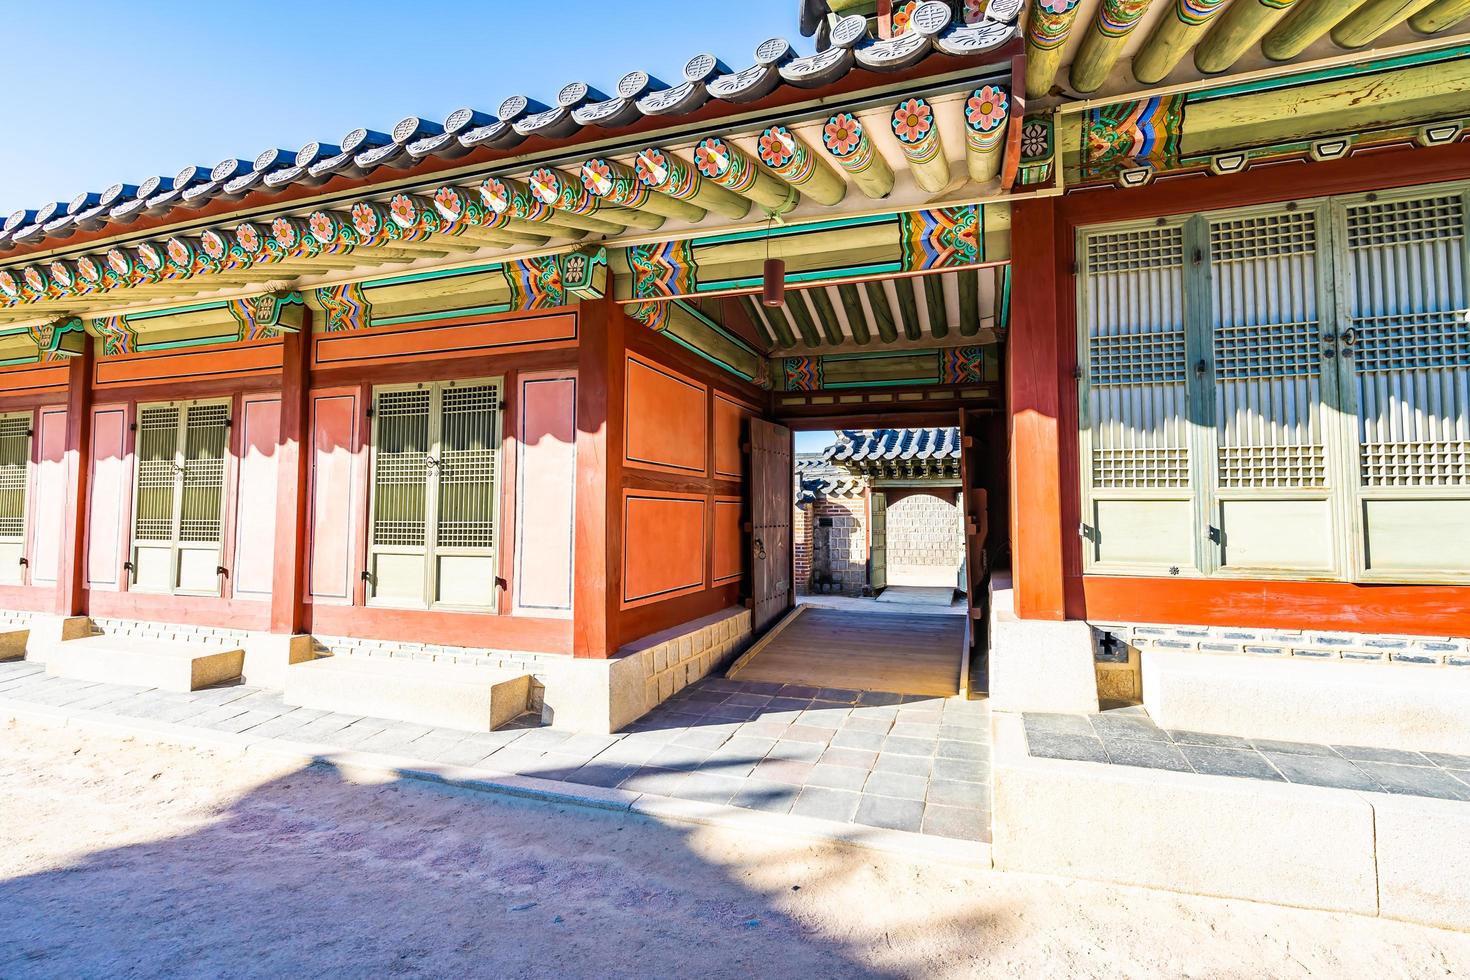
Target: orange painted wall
255,512
546,471
50,494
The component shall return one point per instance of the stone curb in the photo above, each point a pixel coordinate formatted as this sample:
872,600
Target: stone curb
949,851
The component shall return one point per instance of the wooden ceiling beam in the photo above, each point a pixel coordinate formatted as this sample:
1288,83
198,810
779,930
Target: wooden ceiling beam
1103,43
566,193
1174,34
613,183
1047,31
882,312
797,306
747,308
661,171
1307,22
780,326
969,286
793,159
826,315
857,320
933,287
1439,15
846,142
1372,19
914,125
1242,25
908,309
728,166
514,199
987,110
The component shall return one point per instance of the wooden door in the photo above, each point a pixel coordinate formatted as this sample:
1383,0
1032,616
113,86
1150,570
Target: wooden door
877,541
770,517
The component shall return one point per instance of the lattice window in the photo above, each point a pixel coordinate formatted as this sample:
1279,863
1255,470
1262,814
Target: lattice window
206,434
15,457
1137,360
401,466
1265,335
436,458
467,467
158,472
1410,341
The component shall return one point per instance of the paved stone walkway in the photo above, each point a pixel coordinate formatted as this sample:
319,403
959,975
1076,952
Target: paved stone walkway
1129,737
882,760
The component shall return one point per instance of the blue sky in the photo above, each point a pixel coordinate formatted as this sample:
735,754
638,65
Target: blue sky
101,92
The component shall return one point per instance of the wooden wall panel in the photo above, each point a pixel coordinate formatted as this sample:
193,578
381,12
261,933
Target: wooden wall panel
727,553
546,476
255,510
461,337
665,420
216,362
111,498
50,494
729,418
28,378
663,545
336,442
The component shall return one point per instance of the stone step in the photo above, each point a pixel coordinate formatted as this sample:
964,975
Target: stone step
470,698
13,642
167,665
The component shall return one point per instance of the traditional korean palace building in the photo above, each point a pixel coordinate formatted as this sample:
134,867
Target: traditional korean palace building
504,394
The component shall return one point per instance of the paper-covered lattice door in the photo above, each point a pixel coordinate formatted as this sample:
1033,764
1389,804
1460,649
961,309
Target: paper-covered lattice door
15,458
1404,347
178,497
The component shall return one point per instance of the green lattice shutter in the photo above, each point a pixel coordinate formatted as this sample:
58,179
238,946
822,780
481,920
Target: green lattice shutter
1138,470
1405,359
1272,506
178,507
435,463
15,457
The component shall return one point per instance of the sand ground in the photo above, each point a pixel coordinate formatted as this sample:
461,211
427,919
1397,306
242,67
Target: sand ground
125,858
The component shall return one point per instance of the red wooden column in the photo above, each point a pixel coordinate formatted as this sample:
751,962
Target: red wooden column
288,589
71,566
1033,391
601,364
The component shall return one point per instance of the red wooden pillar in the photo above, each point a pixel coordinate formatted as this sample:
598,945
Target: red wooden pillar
288,590
1033,391
601,364
71,566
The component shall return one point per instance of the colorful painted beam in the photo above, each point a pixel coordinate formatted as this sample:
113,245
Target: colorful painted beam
667,174
794,160
1242,25
987,113
613,183
563,192
1308,21
727,165
1173,36
917,131
1103,43
513,198
1049,24
845,140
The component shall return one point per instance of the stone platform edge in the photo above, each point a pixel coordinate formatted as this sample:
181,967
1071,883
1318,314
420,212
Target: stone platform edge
940,850
1374,854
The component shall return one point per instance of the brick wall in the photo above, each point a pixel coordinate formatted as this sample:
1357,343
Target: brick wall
1128,638
925,539
832,545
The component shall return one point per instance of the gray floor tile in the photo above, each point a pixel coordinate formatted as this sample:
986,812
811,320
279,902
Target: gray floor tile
964,770
1321,770
803,732
605,776
839,694
1416,780
1111,725
782,771
245,722
908,765
658,782
826,804
684,757
214,716
1461,762
749,700
960,733
1291,748
837,777
1363,753
708,787
891,813
588,744
950,793
796,751
463,753
765,729
765,794
898,745
733,764
745,745
1051,723
948,748
877,726
512,759
543,739
846,739
223,695
896,785
788,704
1077,748
1209,760
880,698
1209,738
829,717
855,758
914,729
703,738
1145,753
962,822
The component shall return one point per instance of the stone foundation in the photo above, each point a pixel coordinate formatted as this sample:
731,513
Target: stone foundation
1127,639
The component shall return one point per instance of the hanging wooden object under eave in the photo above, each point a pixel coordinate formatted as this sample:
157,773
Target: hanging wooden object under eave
1372,19
1304,25
1241,26
1103,42
1173,35
1439,15
1048,25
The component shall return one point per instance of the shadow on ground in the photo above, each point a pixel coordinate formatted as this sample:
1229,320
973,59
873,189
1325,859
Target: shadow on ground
312,871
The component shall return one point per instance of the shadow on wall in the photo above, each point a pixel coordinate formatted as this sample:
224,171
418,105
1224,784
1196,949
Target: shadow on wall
313,872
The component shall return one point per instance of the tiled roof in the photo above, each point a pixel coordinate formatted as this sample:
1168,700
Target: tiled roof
579,113
883,445
816,477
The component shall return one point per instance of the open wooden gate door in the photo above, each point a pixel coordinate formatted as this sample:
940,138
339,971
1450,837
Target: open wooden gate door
770,517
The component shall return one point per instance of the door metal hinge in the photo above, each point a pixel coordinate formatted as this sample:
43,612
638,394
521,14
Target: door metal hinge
1084,530
1215,534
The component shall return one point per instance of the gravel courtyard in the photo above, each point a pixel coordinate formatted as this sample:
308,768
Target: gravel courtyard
124,858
